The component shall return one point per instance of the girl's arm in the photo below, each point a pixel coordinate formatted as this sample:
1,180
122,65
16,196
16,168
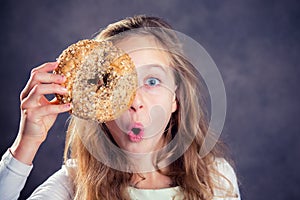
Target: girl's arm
38,114
13,176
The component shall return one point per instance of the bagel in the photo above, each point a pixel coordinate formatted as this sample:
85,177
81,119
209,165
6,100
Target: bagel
101,80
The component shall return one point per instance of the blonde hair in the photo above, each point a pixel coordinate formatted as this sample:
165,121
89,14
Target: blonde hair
192,172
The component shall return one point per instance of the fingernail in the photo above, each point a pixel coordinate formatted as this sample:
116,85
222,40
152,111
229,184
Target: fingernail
68,105
63,78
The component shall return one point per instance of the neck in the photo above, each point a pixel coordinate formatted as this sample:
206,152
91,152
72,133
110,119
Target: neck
151,180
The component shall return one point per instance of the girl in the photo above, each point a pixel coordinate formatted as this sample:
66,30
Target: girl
151,151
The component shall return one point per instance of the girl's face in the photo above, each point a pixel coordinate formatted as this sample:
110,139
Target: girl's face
141,127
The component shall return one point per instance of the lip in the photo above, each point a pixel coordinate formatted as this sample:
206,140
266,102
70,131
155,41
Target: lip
133,136
137,125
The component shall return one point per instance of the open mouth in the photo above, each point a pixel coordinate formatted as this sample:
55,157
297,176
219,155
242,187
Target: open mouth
136,132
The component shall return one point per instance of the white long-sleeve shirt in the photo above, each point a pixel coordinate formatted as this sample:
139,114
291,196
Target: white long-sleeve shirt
13,176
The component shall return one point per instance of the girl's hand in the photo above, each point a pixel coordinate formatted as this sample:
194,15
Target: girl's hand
37,113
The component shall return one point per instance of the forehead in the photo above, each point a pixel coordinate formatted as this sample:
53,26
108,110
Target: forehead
145,50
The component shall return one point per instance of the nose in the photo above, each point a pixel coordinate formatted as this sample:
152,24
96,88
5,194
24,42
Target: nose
137,103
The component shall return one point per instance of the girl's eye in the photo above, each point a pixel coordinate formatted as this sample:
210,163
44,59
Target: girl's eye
152,82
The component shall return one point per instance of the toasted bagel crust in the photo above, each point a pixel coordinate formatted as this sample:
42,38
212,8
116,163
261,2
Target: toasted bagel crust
101,80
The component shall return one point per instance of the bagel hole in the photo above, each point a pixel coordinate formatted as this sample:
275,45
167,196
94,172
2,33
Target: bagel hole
100,81
103,81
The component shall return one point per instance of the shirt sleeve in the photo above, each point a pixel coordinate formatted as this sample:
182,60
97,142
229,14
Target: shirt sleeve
13,176
228,182
56,187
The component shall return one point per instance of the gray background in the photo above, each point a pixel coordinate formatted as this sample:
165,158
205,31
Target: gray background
255,44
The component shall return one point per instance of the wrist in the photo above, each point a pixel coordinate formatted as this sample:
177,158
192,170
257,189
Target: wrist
24,150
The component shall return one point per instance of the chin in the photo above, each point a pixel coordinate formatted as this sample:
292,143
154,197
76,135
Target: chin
135,147
140,147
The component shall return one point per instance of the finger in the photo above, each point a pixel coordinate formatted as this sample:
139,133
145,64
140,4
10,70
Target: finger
46,67
36,96
41,77
38,113
53,109
37,77
44,77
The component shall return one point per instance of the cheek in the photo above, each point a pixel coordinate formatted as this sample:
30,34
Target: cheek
111,125
123,122
162,107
